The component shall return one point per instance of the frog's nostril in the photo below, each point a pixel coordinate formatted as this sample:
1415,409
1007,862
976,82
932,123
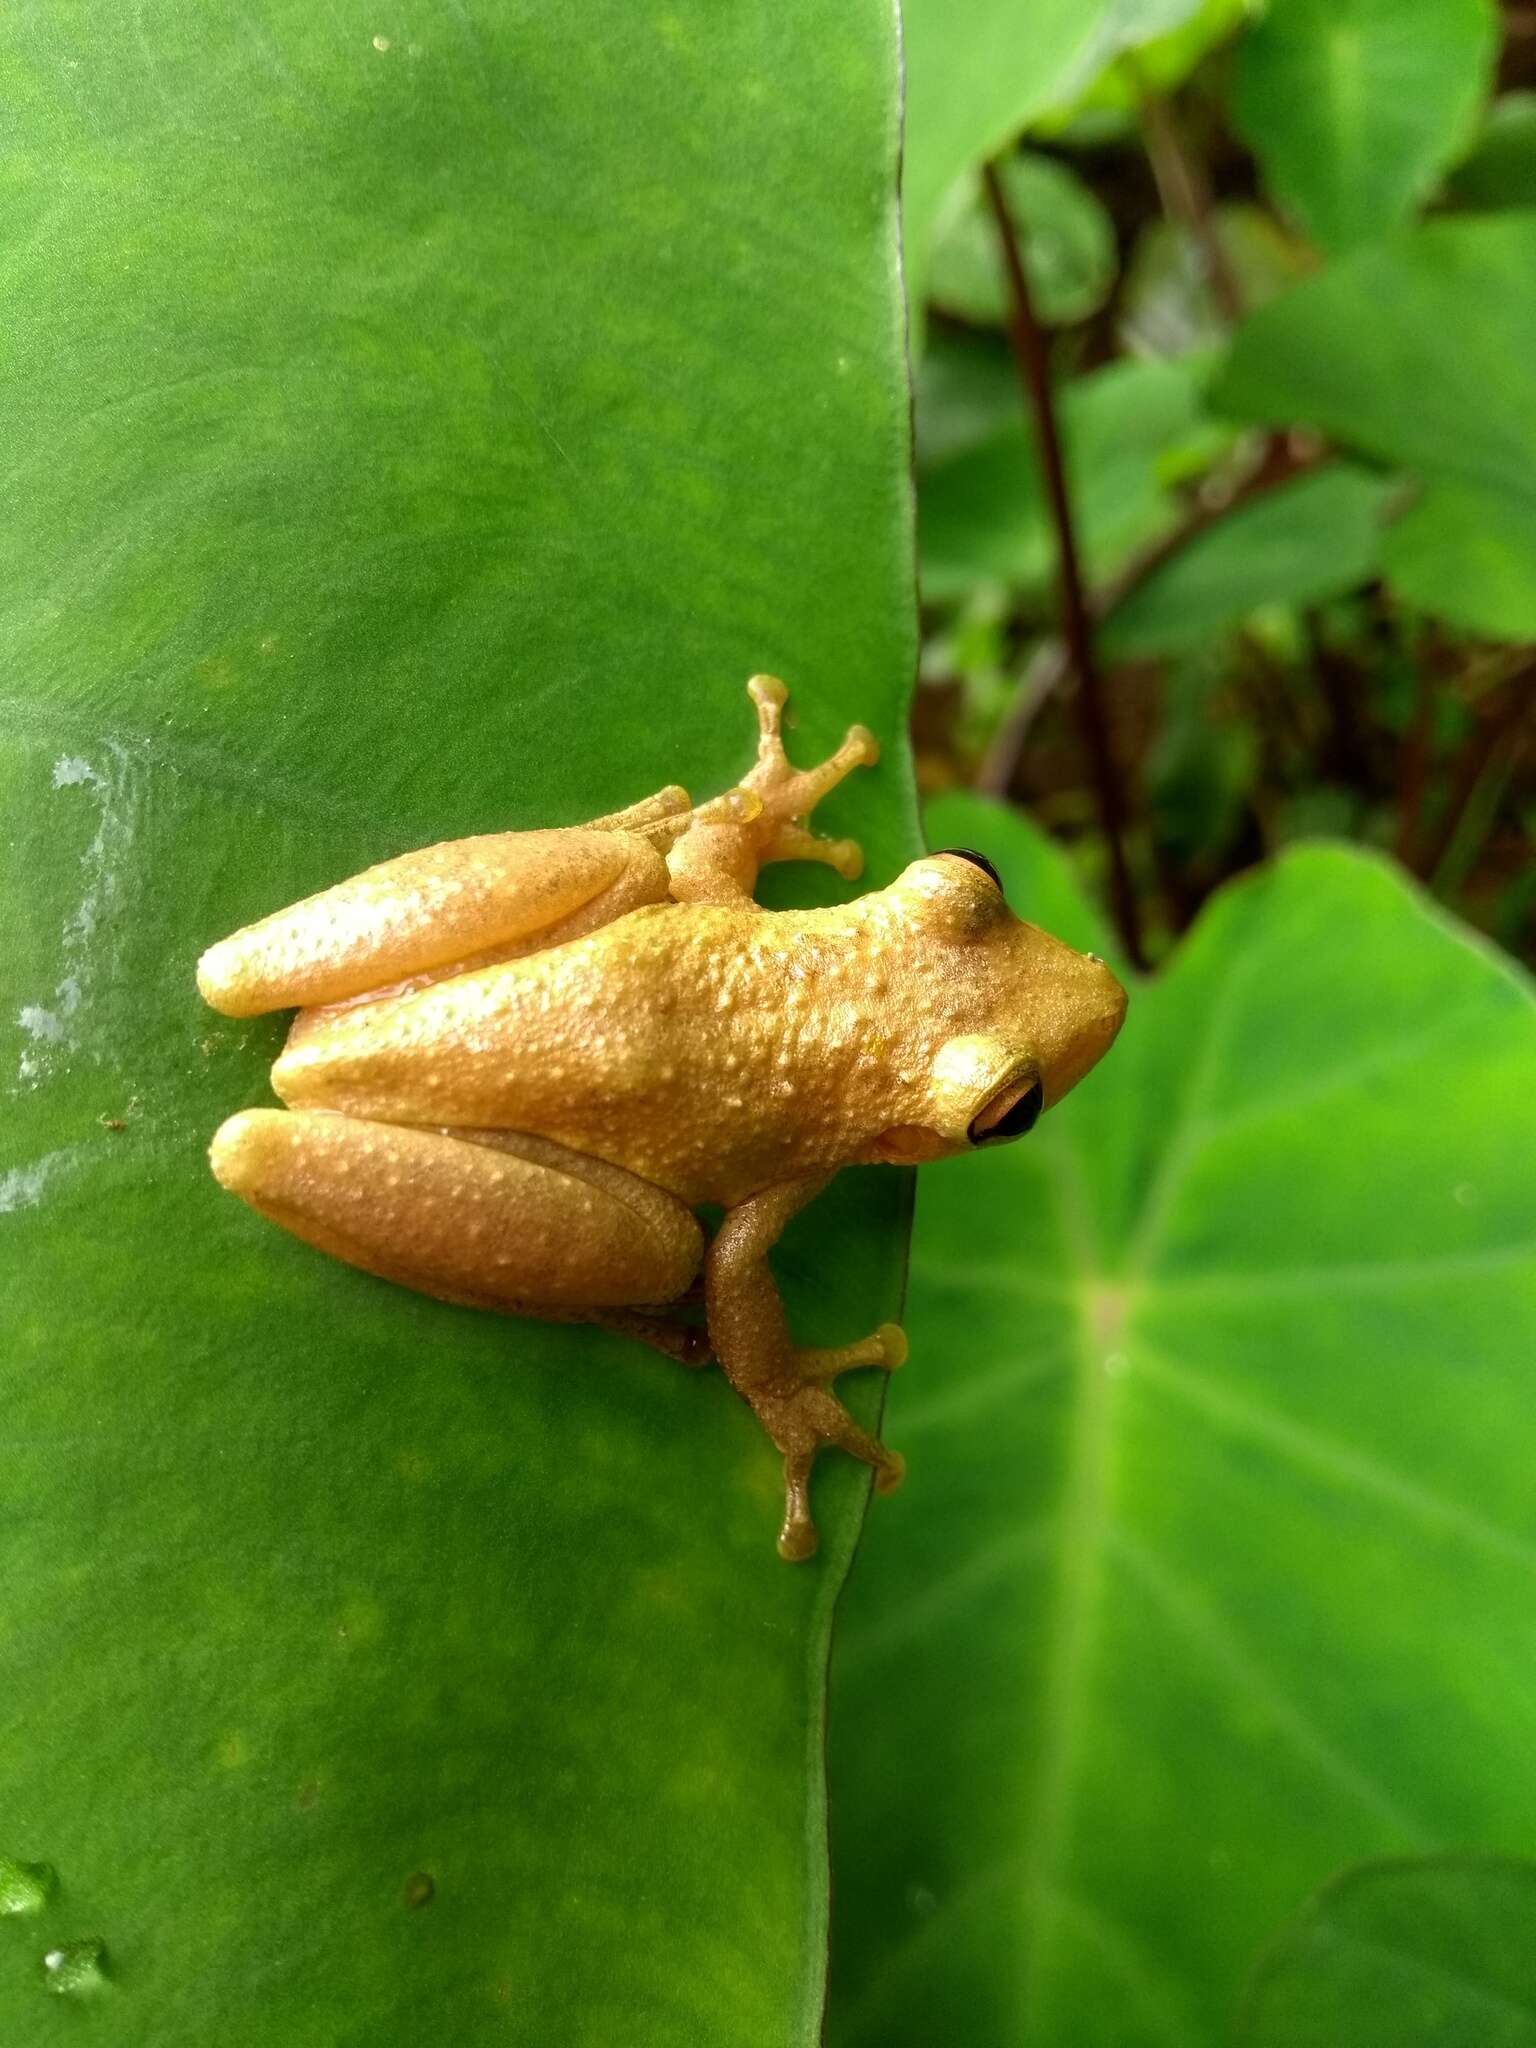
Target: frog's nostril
1093,960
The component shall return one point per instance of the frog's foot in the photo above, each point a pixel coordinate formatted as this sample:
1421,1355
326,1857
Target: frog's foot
885,1347
764,817
790,794
801,1419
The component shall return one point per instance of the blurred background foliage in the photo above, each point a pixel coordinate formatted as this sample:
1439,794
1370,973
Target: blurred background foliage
1186,1693
1280,274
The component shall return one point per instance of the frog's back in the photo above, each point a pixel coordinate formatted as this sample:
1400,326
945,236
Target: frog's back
664,1043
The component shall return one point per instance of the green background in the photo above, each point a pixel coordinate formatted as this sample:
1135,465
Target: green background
1214,1567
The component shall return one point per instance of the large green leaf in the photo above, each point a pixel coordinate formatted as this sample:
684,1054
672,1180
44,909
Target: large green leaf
1411,1952
415,427
1306,541
1418,353
1216,1564
1353,106
979,71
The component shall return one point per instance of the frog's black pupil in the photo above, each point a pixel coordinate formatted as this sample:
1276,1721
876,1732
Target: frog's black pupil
977,860
1021,1118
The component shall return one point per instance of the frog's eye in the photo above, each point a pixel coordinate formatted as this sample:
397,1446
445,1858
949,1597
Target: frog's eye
1008,1115
977,860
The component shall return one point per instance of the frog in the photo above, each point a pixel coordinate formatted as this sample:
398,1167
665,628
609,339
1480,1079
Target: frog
522,1064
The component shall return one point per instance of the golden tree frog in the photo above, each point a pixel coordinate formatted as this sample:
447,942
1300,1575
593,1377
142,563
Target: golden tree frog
521,1062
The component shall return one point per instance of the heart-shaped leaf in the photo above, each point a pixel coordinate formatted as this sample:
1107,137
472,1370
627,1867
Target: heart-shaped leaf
1216,1564
417,426
979,71
1360,353
1353,106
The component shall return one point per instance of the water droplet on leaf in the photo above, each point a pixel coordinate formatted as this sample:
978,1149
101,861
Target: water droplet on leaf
24,1887
76,1968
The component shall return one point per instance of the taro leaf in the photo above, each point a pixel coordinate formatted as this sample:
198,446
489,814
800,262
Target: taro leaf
1309,540
1353,106
1411,1952
1419,354
1066,236
979,71
1215,1567
415,428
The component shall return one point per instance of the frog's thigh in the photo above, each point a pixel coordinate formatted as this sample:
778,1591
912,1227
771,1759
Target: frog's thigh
430,913
497,1220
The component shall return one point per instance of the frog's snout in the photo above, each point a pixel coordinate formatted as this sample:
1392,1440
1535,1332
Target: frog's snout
1094,1011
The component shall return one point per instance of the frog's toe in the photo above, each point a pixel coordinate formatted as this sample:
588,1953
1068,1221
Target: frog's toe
889,1475
801,1423
795,842
798,1539
885,1347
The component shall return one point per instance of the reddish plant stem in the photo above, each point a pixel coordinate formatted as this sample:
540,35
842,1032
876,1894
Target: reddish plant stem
1186,196
1029,353
1281,461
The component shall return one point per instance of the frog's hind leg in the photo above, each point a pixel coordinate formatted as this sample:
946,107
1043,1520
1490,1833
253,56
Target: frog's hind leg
445,909
495,1220
764,817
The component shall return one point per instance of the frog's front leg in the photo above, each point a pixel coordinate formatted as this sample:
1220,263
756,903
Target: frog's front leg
763,818
489,1219
788,1388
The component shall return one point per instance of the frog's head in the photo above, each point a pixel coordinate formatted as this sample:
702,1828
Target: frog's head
1012,1018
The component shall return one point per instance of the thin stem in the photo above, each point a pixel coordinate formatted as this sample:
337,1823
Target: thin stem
1186,194
1282,459
1029,352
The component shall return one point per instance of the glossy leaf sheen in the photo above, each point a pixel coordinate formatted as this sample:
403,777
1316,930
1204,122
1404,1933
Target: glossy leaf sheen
1353,106
1360,352
1229,1351
1423,1952
415,429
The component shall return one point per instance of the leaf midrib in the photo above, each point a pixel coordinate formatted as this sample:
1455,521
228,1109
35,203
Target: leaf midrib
1073,1629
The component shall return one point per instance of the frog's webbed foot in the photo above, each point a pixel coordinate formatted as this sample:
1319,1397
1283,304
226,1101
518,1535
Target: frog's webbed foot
764,817
801,1415
790,794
